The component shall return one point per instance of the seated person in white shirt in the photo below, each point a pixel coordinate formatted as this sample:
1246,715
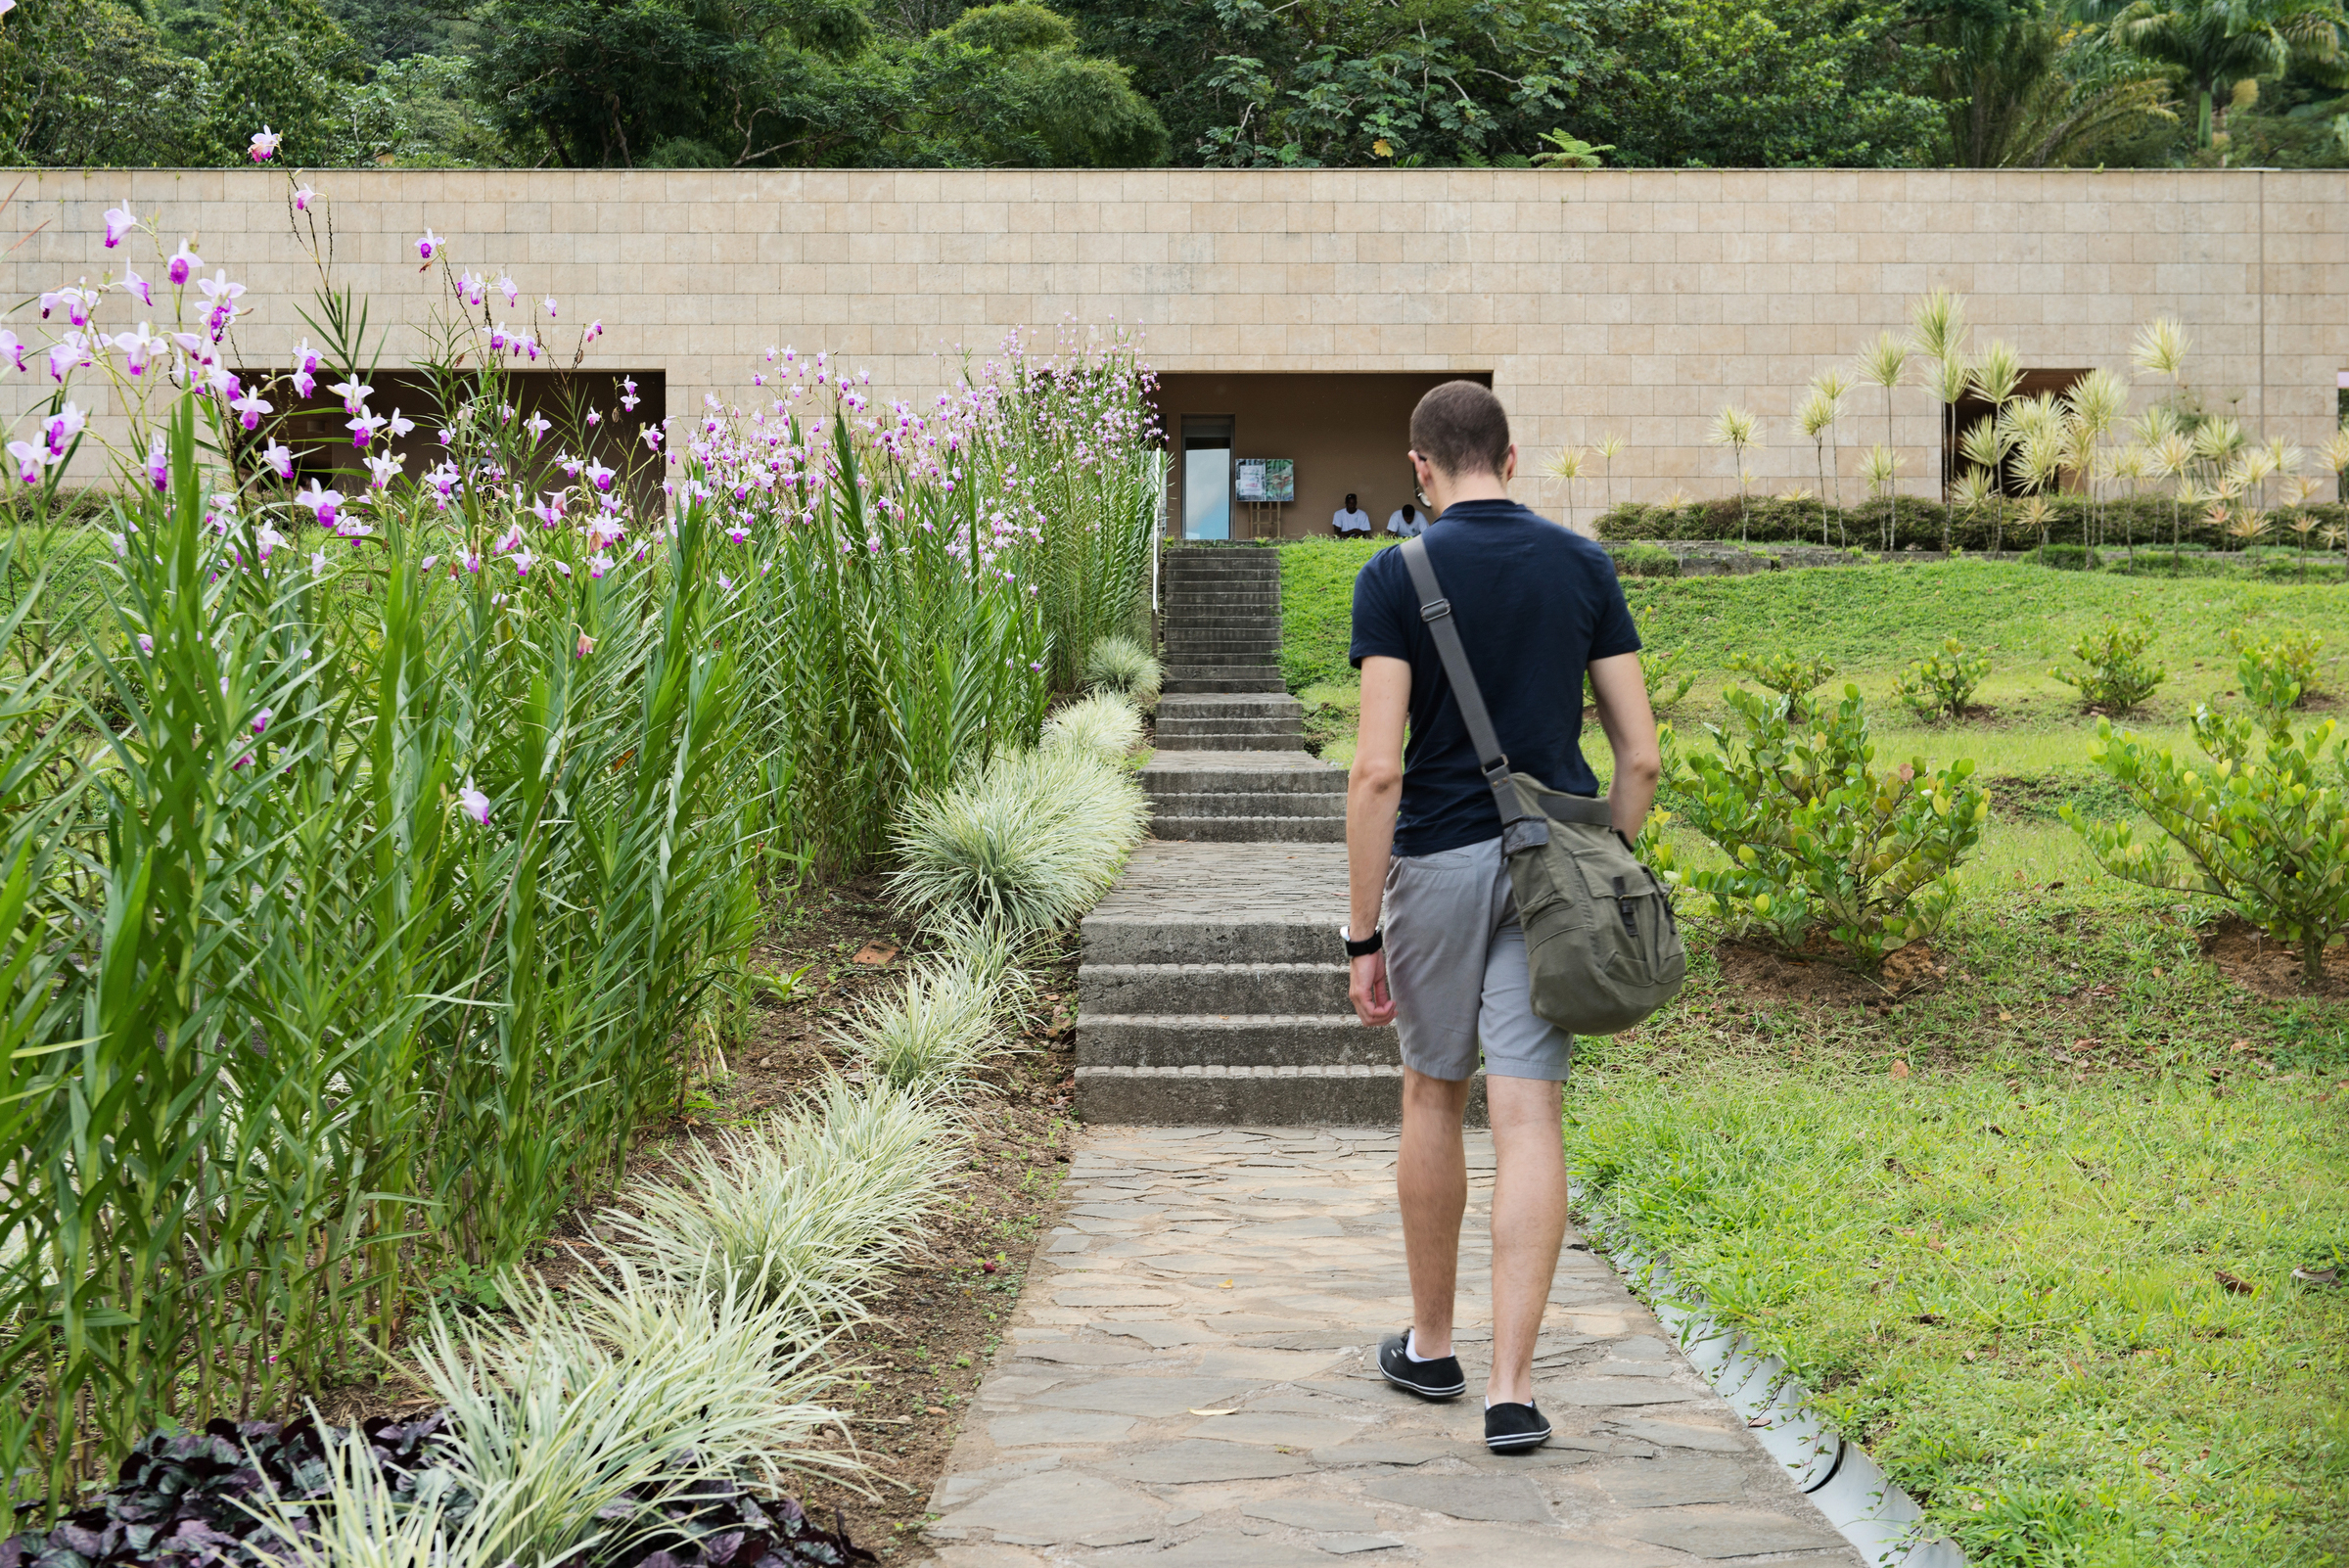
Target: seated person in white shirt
1406,522
1350,519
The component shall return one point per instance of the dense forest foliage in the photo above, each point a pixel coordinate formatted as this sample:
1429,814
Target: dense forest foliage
1219,83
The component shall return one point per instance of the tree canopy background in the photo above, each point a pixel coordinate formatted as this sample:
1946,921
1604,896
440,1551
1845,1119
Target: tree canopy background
1214,84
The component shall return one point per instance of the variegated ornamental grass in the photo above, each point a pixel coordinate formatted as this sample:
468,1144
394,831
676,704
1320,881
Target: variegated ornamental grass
371,858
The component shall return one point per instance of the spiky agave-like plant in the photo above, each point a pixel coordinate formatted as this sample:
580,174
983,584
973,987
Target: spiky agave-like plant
1985,446
1566,465
1883,363
1736,429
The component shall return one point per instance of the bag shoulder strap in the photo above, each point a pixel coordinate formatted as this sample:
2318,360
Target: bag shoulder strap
1436,612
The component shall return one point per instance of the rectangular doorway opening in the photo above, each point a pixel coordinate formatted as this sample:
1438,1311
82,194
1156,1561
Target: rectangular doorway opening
1206,476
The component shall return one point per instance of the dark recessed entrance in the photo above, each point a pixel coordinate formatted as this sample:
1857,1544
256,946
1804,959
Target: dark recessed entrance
1345,432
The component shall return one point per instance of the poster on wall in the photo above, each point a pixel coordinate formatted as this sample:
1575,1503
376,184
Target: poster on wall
1267,478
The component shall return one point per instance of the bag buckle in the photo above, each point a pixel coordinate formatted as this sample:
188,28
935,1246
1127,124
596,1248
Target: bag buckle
1435,610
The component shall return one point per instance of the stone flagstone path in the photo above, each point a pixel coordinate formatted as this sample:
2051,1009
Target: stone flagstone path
1185,1384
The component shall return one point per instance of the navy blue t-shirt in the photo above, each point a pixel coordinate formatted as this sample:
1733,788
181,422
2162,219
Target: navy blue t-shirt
1535,603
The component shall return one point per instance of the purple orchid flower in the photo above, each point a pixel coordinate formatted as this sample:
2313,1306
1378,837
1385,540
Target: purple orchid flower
119,220
183,261
304,196
599,476
322,503
250,409
280,457
363,429
132,283
12,349
474,804
427,244
159,464
264,144
260,720
30,460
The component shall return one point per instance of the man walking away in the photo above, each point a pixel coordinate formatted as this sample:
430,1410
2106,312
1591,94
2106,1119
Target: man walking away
1350,520
1536,606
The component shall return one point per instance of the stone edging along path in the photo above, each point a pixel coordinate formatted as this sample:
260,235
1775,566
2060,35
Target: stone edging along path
1184,1383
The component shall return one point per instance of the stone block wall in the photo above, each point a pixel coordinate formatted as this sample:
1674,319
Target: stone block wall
1611,301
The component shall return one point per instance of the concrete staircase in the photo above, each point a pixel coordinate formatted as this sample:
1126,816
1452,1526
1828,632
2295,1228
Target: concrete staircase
1212,986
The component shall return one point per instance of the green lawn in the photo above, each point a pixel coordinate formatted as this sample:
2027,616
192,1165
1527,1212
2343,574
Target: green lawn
2000,1261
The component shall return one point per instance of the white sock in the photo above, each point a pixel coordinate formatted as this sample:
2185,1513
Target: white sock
1410,1348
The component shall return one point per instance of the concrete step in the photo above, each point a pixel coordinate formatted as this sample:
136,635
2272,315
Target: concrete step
1249,1096
1223,739
1200,650
1172,726
1181,683
1250,829
1246,803
1135,995
1249,705
1203,629
1209,662
1253,773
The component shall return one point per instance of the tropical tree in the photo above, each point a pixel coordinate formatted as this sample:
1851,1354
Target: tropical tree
1882,364
1736,429
2215,43
2023,86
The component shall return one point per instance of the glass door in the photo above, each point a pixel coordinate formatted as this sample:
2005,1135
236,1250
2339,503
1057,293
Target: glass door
1206,476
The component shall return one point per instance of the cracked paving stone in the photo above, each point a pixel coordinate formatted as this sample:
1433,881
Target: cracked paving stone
1715,1533
1159,1334
1076,1352
1511,1500
1310,1513
1611,1391
1670,1482
1346,1545
1505,1547
1228,1549
1153,1398
1204,1460
1096,1295
1060,1505
1680,1435
1071,1427
1279,1429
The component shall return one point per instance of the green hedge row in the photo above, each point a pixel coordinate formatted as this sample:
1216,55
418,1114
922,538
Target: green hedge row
1770,521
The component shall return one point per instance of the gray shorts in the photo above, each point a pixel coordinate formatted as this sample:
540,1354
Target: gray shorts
1455,966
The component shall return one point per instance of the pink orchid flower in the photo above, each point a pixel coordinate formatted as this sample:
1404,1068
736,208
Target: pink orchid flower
119,220
159,464
260,720
521,561
427,244
132,283
353,392
598,563
146,643
264,144
549,303
398,425
595,330
322,504
472,285
363,427
537,425
60,429
306,385
506,287
30,460
250,409
183,261
474,804
599,476
280,457
304,196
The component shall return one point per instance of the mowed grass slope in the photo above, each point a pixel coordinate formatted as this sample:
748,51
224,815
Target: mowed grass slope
2030,1232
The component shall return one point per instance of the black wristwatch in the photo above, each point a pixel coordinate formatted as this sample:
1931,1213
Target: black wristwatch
1364,947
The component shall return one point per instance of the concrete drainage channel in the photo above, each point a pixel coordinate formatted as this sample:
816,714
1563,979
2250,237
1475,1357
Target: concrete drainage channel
1879,1519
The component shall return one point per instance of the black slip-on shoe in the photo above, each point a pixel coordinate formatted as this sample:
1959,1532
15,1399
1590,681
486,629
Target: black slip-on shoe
1513,1428
1439,1380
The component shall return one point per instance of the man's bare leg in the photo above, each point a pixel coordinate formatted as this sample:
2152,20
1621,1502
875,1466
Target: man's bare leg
1529,1222
1431,1182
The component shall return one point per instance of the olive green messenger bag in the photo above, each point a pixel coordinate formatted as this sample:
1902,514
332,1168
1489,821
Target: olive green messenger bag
1600,938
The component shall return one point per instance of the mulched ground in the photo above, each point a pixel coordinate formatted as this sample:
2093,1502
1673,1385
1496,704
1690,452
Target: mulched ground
921,1355
1824,978
2248,956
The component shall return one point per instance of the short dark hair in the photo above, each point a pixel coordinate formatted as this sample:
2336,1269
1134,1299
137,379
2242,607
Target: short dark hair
1462,428
1349,497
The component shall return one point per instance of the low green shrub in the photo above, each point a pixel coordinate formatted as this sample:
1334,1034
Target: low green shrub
2268,834
1821,838
2066,556
2112,669
1104,725
1645,561
1028,844
2277,673
1122,665
2114,673
2112,524
1787,674
1941,685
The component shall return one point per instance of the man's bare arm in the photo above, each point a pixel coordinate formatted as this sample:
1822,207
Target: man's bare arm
1631,726
1373,788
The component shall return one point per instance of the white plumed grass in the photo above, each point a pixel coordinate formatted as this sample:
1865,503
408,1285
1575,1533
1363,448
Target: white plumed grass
1122,665
804,1216
633,1385
1105,724
933,1034
1029,844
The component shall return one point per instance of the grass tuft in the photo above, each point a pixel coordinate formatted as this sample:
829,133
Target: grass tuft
1030,843
1104,725
933,1036
1122,665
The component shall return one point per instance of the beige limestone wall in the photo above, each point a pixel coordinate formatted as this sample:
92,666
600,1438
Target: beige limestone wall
1629,301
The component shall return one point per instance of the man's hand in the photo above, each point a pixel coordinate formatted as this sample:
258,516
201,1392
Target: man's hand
1367,991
